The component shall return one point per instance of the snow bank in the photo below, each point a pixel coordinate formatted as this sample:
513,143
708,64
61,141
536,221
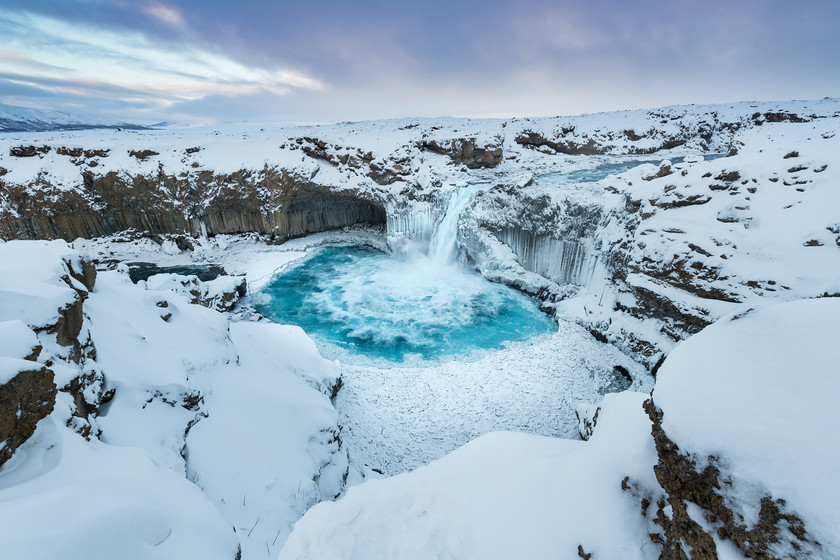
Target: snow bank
33,286
262,454
16,339
157,370
759,391
10,367
504,495
64,497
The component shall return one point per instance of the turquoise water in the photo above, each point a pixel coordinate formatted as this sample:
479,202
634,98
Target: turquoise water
605,170
372,304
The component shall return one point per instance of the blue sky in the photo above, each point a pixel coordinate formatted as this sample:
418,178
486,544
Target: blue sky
202,61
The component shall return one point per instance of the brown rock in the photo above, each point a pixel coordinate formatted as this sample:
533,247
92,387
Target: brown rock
28,151
24,400
778,534
142,155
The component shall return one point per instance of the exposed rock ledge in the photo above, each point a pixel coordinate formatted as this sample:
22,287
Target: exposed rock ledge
27,395
273,202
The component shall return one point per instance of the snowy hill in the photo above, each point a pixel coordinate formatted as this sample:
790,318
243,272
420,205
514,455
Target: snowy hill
21,119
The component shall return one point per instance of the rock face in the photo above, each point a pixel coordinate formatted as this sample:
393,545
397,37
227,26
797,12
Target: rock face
466,151
272,202
25,399
733,475
42,317
689,484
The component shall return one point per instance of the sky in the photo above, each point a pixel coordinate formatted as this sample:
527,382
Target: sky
203,61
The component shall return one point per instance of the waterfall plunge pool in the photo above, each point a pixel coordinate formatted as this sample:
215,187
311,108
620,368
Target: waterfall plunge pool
360,303
432,354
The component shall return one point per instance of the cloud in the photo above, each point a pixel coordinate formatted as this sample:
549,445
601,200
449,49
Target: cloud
12,59
86,60
162,12
338,60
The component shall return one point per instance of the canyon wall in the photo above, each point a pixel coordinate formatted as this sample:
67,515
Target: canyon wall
272,202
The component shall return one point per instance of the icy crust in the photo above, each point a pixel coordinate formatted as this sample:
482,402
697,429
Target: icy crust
731,391
503,495
403,416
157,443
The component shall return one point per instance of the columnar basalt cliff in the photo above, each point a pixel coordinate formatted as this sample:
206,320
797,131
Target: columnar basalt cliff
271,201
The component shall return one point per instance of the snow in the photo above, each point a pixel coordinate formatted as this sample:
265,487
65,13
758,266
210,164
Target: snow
10,367
760,392
64,497
218,435
20,119
261,450
32,288
401,417
221,433
16,339
503,495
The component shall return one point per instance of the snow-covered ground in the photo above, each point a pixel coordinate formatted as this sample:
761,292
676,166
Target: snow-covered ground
181,431
773,375
217,435
503,495
753,393
398,416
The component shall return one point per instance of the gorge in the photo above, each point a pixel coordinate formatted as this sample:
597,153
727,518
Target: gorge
601,245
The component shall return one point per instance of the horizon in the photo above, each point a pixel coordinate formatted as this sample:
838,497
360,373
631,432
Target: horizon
191,63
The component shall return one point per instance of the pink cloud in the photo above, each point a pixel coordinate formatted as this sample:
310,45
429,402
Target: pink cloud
163,12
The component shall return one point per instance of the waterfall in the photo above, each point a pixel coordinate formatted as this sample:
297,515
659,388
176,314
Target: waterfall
443,247
425,228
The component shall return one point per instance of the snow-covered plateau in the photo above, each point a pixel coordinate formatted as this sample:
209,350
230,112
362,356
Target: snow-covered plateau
682,406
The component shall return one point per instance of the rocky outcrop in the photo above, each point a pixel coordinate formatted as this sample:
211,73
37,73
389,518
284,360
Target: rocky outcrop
221,294
465,151
569,147
702,483
25,399
587,417
28,151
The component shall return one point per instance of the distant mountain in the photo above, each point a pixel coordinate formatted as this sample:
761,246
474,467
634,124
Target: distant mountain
21,119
